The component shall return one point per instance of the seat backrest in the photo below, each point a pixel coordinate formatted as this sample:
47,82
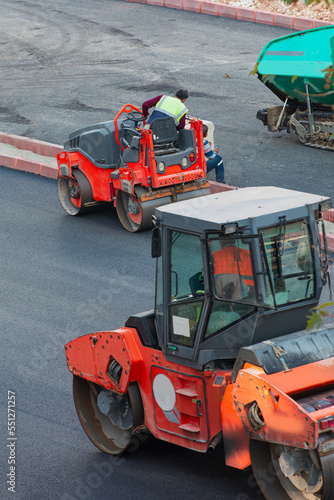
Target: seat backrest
196,283
230,286
130,140
164,130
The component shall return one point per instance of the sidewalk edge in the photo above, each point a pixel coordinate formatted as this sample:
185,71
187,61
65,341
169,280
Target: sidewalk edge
36,146
238,13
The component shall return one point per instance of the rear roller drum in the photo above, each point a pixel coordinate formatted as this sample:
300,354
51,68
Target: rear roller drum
286,473
108,418
75,195
133,215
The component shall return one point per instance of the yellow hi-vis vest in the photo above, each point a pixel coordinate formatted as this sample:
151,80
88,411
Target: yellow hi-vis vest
171,106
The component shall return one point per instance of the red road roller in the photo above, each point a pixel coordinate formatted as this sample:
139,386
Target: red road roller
224,357
122,163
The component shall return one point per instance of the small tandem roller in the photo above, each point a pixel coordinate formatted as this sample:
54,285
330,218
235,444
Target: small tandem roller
121,163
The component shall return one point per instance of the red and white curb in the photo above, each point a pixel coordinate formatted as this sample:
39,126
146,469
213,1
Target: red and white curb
238,13
37,147
45,169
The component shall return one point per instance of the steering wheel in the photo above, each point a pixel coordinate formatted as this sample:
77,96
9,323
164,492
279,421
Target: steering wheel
135,116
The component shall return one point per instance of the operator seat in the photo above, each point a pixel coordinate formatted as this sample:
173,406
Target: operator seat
164,134
230,286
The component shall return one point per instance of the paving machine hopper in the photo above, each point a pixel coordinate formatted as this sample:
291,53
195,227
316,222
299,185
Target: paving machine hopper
122,163
298,69
224,357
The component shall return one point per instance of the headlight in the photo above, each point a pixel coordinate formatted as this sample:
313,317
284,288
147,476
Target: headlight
64,170
184,162
161,166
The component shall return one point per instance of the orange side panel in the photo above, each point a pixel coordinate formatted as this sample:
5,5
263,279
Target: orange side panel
285,421
309,376
136,360
99,178
89,357
236,441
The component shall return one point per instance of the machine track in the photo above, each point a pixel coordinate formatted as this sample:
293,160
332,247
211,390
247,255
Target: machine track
319,145
322,138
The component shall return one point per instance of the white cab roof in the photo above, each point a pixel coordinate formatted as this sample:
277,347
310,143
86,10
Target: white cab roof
238,205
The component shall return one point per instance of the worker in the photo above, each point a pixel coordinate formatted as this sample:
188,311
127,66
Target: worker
233,271
168,106
213,159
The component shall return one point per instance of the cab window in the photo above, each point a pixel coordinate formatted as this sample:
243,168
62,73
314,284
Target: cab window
186,288
231,269
288,251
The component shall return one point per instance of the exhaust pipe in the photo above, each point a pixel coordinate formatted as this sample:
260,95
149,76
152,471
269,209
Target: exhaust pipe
214,442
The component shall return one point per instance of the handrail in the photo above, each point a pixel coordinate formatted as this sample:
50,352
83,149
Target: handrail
127,108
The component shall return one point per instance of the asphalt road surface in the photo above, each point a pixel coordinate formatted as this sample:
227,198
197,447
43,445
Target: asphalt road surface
62,277
65,65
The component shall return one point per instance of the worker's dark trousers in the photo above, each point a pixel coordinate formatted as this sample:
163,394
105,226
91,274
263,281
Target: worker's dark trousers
217,163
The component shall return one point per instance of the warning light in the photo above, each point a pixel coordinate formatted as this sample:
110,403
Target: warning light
326,423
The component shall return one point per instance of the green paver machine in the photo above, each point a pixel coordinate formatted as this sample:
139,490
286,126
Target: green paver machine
298,68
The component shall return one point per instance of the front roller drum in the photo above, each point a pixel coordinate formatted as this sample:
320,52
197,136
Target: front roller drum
108,418
75,195
135,212
134,215
287,473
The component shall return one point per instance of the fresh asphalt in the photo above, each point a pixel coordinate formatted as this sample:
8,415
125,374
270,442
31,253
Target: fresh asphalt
65,65
62,277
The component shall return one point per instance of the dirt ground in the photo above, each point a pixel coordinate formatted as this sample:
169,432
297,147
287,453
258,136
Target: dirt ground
317,10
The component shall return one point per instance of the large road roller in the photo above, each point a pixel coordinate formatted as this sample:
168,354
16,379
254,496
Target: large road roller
298,69
125,164
224,357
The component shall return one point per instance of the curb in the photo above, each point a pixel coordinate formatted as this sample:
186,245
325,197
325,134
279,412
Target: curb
51,150
238,13
40,148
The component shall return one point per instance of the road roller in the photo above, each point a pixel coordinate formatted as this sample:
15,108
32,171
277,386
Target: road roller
133,167
225,357
298,69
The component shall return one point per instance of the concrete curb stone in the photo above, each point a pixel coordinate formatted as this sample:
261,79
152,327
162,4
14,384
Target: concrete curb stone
238,13
37,147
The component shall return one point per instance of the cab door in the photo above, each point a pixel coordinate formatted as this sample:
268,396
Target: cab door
185,292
